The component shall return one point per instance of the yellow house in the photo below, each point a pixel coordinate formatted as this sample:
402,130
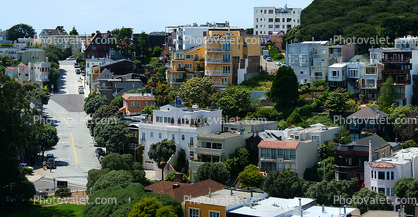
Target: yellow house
231,56
185,65
218,203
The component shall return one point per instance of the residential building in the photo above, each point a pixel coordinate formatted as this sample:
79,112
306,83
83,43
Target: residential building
250,125
380,213
185,65
93,63
98,46
362,76
350,158
179,123
31,55
215,147
278,155
134,103
9,52
25,43
281,207
33,73
277,39
3,35
380,175
45,37
271,19
368,119
230,56
220,203
184,191
337,75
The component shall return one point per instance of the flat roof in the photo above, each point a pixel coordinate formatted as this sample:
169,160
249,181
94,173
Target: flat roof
250,122
402,156
224,197
222,135
338,65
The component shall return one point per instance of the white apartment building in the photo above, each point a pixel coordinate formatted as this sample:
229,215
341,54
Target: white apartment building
33,73
381,175
271,19
179,123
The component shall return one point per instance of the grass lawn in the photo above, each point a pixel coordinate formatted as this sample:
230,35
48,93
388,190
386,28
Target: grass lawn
259,83
65,210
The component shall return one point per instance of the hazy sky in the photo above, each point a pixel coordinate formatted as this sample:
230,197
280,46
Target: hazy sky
152,15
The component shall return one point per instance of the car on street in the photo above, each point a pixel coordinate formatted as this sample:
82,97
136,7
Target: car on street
41,193
77,71
71,58
279,63
100,152
50,156
81,90
268,59
75,65
95,143
24,165
50,163
101,158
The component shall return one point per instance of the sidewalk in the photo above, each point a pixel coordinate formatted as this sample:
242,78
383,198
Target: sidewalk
38,173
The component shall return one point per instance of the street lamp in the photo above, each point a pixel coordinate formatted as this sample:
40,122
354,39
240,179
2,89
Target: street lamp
319,163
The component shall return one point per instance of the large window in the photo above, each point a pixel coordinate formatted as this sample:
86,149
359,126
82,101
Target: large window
352,73
226,69
226,57
389,192
226,46
268,166
381,175
188,66
194,212
287,154
335,73
138,104
132,104
189,56
214,214
280,153
390,176
292,154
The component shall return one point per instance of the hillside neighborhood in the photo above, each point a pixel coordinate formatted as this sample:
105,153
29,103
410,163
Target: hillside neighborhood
300,113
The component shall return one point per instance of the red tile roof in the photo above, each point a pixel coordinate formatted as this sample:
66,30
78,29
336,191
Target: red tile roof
136,97
9,68
383,165
95,76
278,144
185,191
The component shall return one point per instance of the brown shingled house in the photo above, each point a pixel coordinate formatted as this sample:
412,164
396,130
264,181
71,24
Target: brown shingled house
184,191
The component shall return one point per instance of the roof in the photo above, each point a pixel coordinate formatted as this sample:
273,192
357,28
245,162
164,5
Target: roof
380,213
382,165
138,96
185,191
221,135
224,198
338,65
9,68
369,113
401,157
56,31
177,105
376,140
278,144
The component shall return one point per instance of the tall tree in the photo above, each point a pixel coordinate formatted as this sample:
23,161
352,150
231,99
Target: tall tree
249,31
368,195
387,94
324,191
237,161
142,47
162,93
285,184
47,138
113,178
112,133
250,177
403,119
151,207
197,90
20,31
335,102
73,31
40,94
161,152
104,112
94,102
284,90
216,171
124,42
343,137
234,101
117,101
181,162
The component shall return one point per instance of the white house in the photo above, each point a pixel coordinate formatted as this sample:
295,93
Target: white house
337,75
179,123
271,19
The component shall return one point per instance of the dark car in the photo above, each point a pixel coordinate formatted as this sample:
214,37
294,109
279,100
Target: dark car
50,163
50,156
95,143
99,152
101,158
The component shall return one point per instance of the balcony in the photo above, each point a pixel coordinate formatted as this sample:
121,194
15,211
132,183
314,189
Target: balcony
396,60
395,82
219,83
217,49
368,86
318,68
395,71
105,87
344,169
209,151
322,56
219,61
218,72
316,78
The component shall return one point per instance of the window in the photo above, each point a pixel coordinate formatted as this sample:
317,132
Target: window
226,57
315,138
191,153
194,212
277,26
289,20
226,69
244,44
244,56
280,153
390,176
256,11
352,73
172,136
381,175
214,214
335,73
277,20
268,166
389,192
132,104
151,134
188,66
138,104
256,19
189,56
182,137
160,135
287,154
270,11
283,20
226,46
381,190
270,20
292,154
224,80
256,26
270,26
143,137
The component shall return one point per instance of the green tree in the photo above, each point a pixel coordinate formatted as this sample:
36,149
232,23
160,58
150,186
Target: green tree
325,191
73,31
113,178
234,101
249,31
237,161
404,121
405,188
124,41
137,64
326,150
40,94
117,101
196,90
149,109
92,176
103,113
284,89
151,207
46,138
53,77
94,102
285,184
343,137
156,51
162,93
20,30
53,53
161,152
171,177
335,102
250,177
113,134
216,171
408,144
387,94
165,211
142,47
181,162
367,195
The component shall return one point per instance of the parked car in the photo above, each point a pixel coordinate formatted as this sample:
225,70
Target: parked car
101,158
41,193
81,90
77,71
268,59
50,163
279,63
95,143
24,165
88,123
50,156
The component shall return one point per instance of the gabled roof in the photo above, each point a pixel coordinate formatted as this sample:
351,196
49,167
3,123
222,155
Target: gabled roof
97,35
376,140
189,190
278,144
138,96
57,31
369,113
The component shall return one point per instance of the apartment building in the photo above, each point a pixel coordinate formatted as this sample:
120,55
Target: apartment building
185,65
33,73
98,46
215,147
350,158
46,34
380,175
230,56
179,123
271,19
134,103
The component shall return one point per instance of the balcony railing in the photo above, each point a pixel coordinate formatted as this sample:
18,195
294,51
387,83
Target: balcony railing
217,60
322,56
395,82
209,151
396,60
217,49
219,83
344,168
396,71
315,78
321,68
368,86
218,72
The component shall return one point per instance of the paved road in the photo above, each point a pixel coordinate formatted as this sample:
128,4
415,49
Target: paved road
271,66
74,154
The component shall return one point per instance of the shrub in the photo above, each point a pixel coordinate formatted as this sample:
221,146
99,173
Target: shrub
171,177
320,83
28,170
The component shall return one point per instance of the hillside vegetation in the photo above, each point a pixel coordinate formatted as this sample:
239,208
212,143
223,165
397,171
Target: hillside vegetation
323,19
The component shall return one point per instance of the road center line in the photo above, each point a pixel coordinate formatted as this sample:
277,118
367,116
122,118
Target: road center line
60,115
75,155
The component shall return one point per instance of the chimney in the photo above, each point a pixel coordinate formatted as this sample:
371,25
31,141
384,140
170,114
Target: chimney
177,185
210,193
178,177
370,151
363,135
396,140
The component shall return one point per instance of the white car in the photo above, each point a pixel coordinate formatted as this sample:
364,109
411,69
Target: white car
25,165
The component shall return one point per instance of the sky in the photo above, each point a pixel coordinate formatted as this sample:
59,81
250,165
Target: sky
153,15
